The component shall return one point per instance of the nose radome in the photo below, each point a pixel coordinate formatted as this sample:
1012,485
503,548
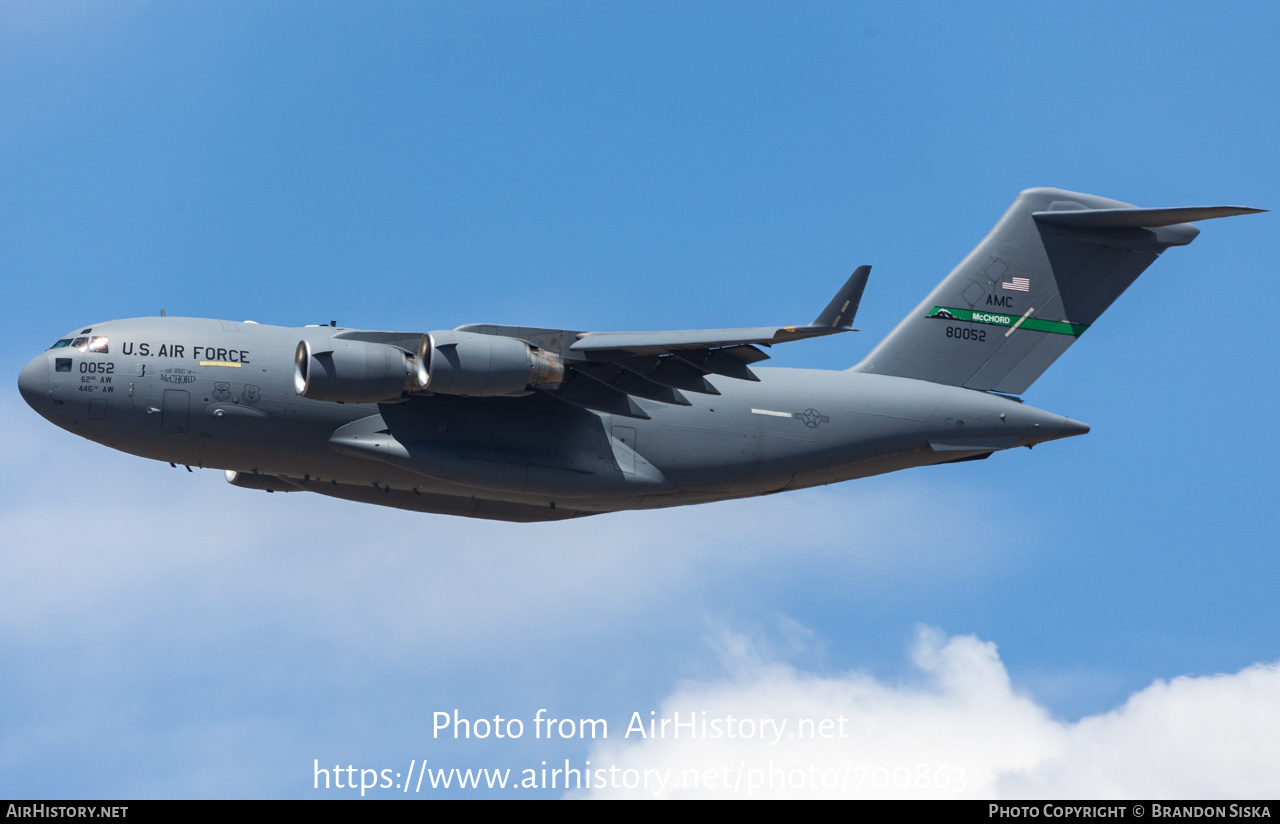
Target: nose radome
1071,428
33,380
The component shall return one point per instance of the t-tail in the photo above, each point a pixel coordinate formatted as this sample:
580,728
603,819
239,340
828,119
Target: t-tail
1036,282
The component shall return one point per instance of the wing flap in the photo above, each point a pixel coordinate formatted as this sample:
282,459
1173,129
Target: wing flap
669,371
622,380
727,362
581,390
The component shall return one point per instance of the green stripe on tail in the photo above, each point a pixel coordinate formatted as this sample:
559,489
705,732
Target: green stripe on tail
1057,327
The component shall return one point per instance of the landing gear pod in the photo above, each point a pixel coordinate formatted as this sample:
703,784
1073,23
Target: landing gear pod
465,363
350,371
252,480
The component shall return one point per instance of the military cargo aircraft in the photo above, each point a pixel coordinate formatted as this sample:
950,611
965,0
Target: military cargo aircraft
522,423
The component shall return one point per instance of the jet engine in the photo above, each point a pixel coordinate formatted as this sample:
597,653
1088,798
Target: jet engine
466,363
351,371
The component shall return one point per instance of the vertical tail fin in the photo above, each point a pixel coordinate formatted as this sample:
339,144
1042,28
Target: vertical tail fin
1051,266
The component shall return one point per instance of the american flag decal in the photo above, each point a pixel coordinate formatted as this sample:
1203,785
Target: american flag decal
1017,285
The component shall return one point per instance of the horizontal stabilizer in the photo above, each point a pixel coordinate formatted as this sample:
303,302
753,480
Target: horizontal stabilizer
1139,218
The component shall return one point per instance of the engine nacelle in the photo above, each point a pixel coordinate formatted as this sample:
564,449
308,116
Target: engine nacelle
350,371
466,363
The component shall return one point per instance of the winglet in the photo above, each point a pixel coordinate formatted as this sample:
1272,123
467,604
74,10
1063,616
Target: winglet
842,308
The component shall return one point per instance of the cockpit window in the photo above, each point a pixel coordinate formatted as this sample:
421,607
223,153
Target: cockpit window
85,343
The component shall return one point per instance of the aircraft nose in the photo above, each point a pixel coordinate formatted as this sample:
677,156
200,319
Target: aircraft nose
1073,427
33,380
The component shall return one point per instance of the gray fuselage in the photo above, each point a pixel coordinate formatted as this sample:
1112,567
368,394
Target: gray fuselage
221,394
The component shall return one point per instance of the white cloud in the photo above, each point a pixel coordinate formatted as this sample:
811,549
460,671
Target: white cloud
97,542
1192,737
145,608
963,732
155,579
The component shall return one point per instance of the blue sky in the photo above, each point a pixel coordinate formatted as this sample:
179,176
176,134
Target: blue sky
631,166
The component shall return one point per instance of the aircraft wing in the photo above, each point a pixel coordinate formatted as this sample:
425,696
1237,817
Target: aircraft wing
644,343
605,370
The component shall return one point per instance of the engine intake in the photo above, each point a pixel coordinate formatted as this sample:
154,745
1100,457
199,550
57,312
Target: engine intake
466,363
351,371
